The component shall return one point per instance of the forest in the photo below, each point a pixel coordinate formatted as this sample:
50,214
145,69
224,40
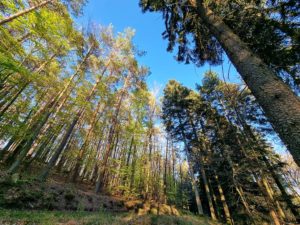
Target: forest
85,139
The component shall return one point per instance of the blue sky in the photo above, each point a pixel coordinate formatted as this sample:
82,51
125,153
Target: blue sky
149,27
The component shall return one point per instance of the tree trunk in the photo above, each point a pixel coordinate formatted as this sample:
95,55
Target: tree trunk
203,175
165,172
207,191
237,187
25,144
287,198
85,144
202,171
281,105
44,174
24,12
133,165
196,191
269,199
12,100
108,149
223,200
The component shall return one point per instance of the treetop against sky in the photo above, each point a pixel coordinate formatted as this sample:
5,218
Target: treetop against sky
148,38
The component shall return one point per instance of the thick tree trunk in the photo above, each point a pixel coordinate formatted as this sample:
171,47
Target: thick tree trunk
24,12
279,103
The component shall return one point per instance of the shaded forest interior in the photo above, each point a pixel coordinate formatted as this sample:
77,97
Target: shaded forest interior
80,129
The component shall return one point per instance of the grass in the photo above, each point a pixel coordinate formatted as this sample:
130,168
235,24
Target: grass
9,217
17,217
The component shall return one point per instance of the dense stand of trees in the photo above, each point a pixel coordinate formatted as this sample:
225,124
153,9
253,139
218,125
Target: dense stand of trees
74,103
261,38
241,179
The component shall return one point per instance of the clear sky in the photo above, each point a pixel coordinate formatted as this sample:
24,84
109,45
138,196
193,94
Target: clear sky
149,27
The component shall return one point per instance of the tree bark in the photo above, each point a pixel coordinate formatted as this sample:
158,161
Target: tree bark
280,104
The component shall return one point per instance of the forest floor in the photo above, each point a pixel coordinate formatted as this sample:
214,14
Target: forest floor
13,217
24,201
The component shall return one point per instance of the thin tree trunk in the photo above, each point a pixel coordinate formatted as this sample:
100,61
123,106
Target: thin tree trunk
44,174
24,12
12,100
25,144
202,175
108,149
280,104
223,200
268,197
133,165
196,190
214,198
274,174
84,145
236,185
165,172
14,139
207,190
287,198
270,193
36,70
124,180
239,189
